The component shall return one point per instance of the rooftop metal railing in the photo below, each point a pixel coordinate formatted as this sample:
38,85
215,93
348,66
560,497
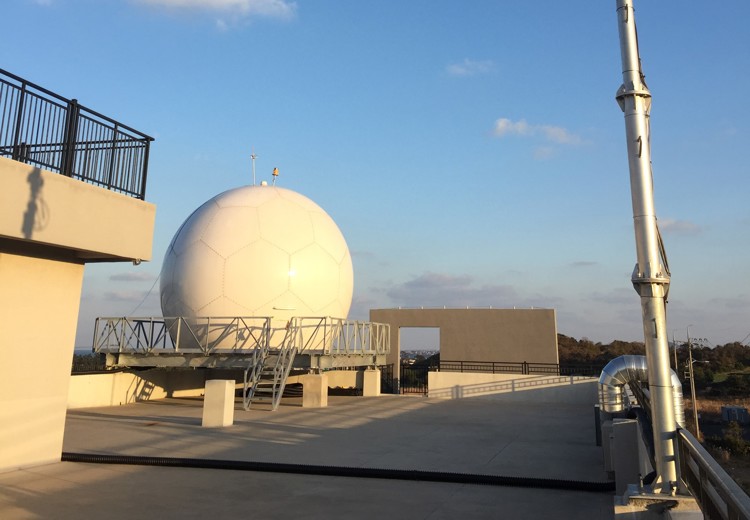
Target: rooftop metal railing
187,335
511,367
237,335
336,336
44,129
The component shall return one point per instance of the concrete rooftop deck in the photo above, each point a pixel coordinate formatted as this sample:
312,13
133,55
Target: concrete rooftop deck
478,435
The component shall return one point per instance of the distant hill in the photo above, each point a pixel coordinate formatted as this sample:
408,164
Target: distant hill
585,351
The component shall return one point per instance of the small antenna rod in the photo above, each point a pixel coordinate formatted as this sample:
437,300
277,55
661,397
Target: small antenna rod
253,157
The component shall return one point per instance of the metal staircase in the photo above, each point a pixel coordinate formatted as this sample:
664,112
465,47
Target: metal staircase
266,375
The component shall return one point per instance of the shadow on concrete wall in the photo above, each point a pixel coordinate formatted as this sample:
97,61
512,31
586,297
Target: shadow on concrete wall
36,215
571,389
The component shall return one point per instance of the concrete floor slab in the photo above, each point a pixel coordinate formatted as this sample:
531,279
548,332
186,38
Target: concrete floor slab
399,432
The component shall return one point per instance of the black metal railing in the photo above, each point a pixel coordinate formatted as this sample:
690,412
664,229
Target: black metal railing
413,379
387,380
44,129
507,367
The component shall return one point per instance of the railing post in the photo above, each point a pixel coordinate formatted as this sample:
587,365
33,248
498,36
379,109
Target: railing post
179,330
150,345
144,170
525,368
19,120
208,332
122,336
96,335
69,138
113,156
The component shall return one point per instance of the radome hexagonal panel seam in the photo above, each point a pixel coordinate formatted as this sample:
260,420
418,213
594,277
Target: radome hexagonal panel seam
231,228
294,272
326,232
255,282
285,227
192,229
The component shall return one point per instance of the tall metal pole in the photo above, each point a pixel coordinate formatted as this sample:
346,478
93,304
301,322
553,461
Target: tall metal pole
650,277
692,387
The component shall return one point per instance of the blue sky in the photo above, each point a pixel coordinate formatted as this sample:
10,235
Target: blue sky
472,153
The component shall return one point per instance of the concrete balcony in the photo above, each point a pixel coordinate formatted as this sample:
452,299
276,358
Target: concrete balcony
51,225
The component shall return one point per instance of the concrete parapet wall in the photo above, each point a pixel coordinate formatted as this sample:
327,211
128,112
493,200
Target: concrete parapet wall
118,388
39,208
534,388
344,378
336,378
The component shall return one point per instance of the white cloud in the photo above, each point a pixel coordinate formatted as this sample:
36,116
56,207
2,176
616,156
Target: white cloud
679,227
132,277
470,67
124,296
267,8
559,135
553,134
741,302
583,264
445,290
505,127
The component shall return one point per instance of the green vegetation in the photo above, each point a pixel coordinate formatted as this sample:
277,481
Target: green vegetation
585,351
731,440
92,362
722,371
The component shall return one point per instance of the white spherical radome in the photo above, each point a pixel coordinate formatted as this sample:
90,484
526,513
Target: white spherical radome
257,251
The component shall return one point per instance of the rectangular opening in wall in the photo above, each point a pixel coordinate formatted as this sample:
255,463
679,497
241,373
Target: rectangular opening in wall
420,348
419,344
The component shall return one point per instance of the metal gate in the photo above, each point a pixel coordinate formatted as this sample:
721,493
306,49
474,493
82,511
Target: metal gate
414,379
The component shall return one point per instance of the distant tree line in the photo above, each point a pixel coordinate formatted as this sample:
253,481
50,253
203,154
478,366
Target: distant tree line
721,370
586,352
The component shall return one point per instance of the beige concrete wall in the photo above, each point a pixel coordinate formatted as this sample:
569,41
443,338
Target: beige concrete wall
44,209
336,378
50,225
38,315
118,388
513,335
519,387
344,378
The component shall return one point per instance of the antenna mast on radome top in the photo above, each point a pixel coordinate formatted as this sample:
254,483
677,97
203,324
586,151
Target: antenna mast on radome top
651,275
253,157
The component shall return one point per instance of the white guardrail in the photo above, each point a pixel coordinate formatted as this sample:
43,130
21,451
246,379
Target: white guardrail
717,494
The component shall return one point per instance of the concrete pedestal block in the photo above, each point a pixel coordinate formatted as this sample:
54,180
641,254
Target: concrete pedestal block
218,403
314,391
607,443
371,383
625,453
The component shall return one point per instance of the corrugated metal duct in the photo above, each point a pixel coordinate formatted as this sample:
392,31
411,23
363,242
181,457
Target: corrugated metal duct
628,369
